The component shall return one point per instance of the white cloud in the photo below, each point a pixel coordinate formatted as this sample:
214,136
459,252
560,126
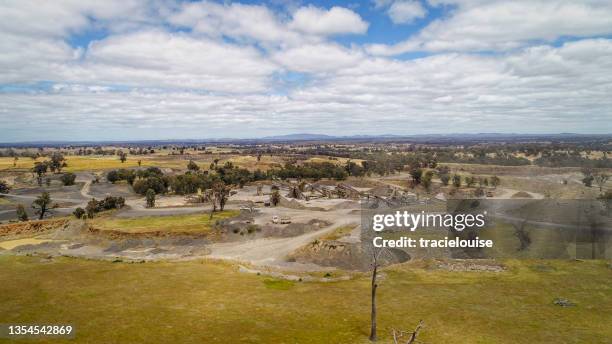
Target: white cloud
158,59
553,89
502,25
318,58
236,20
318,21
406,11
218,76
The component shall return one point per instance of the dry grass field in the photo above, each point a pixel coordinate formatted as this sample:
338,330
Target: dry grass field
207,302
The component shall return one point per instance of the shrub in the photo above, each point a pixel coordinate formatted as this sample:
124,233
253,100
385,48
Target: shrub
141,186
92,208
4,188
112,176
456,180
21,213
150,198
79,213
109,202
68,178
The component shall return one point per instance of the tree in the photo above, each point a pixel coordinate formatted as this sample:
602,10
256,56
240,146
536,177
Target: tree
4,188
373,288
275,196
220,194
376,263
22,215
470,181
40,169
122,156
444,178
92,208
416,174
159,185
600,180
150,195
15,161
426,179
192,166
139,162
112,176
412,335
456,180
79,213
588,176
42,204
68,178
495,181
57,162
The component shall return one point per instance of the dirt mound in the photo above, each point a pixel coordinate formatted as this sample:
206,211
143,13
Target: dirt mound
346,205
103,189
332,254
31,227
382,190
290,203
294,229
522,194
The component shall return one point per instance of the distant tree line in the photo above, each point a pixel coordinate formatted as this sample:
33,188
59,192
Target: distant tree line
228,174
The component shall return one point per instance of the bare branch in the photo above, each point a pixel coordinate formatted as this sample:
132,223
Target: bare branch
398,335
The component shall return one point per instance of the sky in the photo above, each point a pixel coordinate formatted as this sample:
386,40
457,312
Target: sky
73,70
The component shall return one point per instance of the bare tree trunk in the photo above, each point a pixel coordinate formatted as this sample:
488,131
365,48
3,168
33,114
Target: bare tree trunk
373,337
214,208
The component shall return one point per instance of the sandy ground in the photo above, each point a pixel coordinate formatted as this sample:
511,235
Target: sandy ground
273,251
504,193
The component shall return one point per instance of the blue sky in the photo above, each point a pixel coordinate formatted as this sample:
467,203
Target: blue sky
149,69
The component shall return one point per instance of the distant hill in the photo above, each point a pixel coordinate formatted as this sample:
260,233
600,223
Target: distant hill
454,138
298,137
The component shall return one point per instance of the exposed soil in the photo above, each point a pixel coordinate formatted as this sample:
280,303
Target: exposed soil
294,229
31,227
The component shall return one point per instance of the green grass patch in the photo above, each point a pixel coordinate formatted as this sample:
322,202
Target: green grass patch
173,223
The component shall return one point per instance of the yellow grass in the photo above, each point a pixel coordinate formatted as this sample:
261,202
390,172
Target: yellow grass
75,163
339,233
336,160
11,244
204,302
200,223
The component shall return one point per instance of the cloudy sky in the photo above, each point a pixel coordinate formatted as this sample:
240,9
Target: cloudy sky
148,69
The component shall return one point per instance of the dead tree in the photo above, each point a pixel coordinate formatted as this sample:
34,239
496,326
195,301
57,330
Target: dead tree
522,234
412,335
600,180
377,254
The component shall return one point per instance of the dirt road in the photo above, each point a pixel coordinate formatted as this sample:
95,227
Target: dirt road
273,251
